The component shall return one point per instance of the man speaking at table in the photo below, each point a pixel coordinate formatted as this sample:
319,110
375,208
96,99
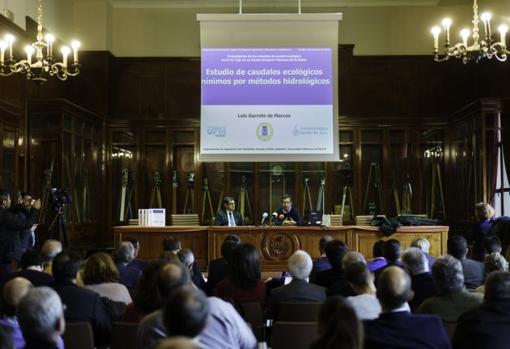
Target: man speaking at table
287,214
228,216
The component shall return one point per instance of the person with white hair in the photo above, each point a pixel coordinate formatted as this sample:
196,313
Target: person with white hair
298,290
424,245
122,256
49,251
187,258
493,262
41,317
342,287
415,262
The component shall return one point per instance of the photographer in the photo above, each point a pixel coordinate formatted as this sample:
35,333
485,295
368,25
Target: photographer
22,209
10,226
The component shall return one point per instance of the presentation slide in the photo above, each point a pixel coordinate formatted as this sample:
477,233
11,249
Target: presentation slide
266,101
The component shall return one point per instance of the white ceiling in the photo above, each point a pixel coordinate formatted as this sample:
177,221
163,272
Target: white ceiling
270,3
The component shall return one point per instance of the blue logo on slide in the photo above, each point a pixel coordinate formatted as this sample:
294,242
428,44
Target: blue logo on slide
217,131
264,131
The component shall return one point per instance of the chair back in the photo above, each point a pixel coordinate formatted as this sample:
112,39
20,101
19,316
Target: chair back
254,315
78,335
295,335
298,311
185,219
124,335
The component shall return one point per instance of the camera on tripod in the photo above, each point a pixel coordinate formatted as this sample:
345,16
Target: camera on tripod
59,198
191,179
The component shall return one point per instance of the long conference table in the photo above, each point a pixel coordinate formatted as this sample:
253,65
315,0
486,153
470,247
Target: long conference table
275,243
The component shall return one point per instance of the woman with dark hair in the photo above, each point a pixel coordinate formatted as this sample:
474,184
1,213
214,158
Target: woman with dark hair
147,297
243,283
102,276
339,328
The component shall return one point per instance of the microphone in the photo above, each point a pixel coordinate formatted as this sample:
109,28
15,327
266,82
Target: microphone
264,216
275,219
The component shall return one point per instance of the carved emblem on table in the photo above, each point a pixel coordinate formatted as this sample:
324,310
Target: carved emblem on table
279,246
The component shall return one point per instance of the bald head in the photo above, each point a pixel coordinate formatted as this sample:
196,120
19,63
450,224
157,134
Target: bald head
50,249
393,288
172,276
13,291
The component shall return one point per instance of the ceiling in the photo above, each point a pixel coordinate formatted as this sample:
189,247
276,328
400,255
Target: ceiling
273,3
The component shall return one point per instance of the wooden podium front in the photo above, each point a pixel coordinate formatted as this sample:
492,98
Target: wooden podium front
275,244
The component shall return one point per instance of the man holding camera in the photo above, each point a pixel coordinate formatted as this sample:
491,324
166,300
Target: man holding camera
10,226
22,209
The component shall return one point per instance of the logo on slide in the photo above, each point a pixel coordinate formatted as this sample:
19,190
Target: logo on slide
264,131
296,131
216,131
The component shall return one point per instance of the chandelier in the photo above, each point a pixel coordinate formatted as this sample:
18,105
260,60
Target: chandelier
43,64
478,48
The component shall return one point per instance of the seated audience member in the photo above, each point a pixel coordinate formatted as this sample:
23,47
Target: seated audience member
322,262
185,313
415,262
378,261
188,259
49,251
173,245
219,268
243,285
484,217
342,287
82,305
225,327
298,290
474,273
491,244
487,325
31,265
452,298
147,297
335,251
178,343
123,255
424,245
365,302
339,328
392,251
493,262
41,316
5,338
101,276
396,327
12,292
136,263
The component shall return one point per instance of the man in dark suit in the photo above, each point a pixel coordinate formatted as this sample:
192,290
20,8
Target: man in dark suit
474,272
335,251
416,263
10,226
82,305
298,290
322,262
287,214
136,263
488,325
123,255
396,327
219,267
228,216
22,209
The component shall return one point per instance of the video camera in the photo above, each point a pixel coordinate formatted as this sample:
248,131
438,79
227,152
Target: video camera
59,197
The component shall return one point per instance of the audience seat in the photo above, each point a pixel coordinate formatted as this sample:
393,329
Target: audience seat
298,311
254,315
124,335
185,219
295,335
78,335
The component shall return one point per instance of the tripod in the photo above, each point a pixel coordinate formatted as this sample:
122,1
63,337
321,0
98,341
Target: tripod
244,198
57,227
190,194
407,195
307,195
374,171
436,182
206,198
123,192
156,191
347,190
175,185
321,196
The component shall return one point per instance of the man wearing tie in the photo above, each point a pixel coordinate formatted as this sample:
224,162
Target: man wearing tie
228,216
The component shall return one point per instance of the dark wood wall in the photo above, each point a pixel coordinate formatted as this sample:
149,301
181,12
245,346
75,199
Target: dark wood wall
392,108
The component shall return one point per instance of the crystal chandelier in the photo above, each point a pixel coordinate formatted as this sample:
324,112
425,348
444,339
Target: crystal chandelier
43,64
486,47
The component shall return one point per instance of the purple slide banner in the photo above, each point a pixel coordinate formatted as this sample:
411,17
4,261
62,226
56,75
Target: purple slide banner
267,76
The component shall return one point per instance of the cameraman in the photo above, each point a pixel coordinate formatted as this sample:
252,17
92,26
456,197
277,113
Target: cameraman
22,209
10,226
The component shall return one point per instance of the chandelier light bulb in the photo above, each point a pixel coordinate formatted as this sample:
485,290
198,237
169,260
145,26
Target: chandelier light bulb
10,38
446,22
29,49
3,45
75,44
50,38
435,31
503,29
486,16
464,34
